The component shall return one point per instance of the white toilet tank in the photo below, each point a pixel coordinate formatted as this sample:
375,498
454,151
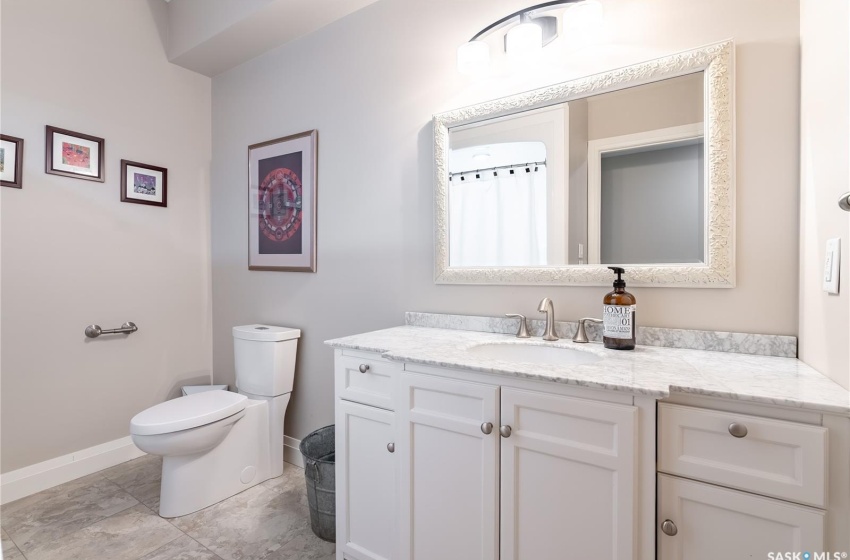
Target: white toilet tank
264,356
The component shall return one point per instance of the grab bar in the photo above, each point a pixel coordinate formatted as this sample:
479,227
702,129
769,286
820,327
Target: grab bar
94,331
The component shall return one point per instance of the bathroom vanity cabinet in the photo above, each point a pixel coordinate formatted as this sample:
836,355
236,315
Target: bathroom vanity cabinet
500,472
444,463
438,463
734,485
367,468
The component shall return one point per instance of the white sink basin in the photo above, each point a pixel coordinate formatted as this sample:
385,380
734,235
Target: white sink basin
534,354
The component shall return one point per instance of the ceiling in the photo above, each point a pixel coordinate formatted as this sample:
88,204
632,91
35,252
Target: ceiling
213,36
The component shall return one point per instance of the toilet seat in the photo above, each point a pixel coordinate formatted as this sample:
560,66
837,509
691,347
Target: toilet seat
187,412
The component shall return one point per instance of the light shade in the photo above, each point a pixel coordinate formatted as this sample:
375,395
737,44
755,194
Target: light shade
524,39
584,16
473,57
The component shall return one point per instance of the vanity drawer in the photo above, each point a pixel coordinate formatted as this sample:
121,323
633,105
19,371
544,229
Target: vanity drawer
772,457
366,379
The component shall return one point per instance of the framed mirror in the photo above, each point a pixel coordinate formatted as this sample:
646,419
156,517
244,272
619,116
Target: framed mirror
632,167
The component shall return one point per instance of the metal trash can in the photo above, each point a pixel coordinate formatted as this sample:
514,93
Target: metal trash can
319,472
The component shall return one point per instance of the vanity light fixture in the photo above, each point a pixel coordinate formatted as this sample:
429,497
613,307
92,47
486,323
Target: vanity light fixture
524,40
528,31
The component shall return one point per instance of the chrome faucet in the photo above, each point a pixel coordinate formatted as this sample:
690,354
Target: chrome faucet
547,308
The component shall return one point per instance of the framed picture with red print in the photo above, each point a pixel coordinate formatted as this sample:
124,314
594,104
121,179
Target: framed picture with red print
73,154
282,203
11,161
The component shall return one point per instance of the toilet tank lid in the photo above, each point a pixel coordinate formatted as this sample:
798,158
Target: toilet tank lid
268,333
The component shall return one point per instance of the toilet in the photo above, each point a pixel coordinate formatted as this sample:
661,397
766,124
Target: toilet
215,444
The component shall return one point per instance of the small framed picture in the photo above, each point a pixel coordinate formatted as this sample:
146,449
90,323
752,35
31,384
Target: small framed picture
11,161
73,154
282,203
144,184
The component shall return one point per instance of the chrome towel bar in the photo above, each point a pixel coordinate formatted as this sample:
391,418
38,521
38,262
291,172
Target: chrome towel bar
94,331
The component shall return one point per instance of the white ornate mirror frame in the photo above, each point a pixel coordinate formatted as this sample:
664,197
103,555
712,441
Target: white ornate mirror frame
719,269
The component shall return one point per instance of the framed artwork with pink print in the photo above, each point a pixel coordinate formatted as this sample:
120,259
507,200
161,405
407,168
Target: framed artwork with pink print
73,154
282,203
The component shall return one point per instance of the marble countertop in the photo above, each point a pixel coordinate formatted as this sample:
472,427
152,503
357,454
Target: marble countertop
646,370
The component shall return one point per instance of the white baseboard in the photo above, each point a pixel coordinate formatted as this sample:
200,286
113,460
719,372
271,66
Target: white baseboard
291,451
24,482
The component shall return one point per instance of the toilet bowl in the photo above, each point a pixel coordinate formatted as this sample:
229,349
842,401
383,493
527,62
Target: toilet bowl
215,444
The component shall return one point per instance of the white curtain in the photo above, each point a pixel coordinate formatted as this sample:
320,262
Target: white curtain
498,220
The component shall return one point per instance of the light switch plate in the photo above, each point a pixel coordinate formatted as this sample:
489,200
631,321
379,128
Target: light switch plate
831,265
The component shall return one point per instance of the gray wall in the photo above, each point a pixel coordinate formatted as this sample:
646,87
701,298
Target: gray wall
653,206
73,253
370,84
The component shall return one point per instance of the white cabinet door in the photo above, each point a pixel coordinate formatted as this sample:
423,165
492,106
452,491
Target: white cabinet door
568,481
366,483
449,469
712,522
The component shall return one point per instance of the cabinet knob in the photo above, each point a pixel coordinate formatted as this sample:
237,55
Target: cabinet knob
364,368
391,447
737,430
505,431
487,428
669,528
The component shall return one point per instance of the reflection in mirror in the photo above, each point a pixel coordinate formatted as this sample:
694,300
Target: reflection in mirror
634,166
651,205
615,178
508,196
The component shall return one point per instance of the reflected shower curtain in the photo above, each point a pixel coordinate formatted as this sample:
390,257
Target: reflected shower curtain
498,220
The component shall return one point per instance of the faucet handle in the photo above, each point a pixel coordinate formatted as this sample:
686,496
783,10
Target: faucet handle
581,334
523,327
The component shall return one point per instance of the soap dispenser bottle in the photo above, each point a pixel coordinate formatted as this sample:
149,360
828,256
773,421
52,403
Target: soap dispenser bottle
618,315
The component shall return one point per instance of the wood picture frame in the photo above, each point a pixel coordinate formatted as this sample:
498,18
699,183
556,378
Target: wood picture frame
74,154
282,200
142,183
11,161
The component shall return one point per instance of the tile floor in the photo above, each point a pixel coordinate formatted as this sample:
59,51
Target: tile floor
111,515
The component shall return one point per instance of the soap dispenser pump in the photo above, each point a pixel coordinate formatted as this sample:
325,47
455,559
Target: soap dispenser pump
618,315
